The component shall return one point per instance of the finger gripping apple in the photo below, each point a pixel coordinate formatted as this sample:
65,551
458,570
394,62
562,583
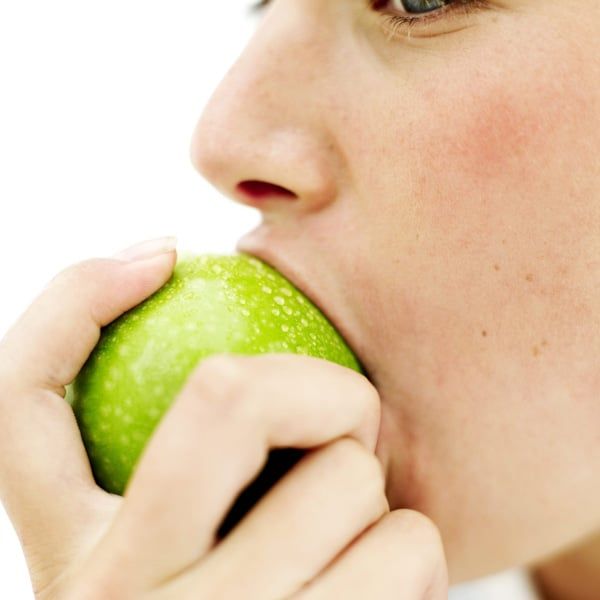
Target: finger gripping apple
212,304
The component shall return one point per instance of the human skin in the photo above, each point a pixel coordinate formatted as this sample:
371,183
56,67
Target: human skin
436,198
312,536
443,206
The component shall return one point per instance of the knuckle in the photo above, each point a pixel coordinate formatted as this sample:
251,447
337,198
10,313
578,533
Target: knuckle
418,526
362,466
221,378
223,367
407,530
370,395
92,279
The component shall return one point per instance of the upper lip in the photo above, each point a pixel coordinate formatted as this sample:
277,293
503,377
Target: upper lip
279,263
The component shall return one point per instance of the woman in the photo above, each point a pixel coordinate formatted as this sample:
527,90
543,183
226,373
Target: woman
428,172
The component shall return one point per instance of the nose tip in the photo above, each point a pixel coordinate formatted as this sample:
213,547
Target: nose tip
226,172
265,175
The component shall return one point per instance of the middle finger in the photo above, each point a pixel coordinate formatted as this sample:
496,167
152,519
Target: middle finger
326,501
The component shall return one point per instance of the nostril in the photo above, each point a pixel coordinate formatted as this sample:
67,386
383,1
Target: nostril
257,190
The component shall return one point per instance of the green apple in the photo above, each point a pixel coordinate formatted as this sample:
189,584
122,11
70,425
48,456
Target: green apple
211,304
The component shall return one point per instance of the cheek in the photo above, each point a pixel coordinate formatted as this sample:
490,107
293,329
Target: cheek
508,155
497,135
488,185
528,121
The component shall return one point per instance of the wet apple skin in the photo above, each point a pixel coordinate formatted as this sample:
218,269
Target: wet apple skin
212,304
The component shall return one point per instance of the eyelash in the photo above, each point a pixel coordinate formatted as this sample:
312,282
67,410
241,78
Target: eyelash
402,25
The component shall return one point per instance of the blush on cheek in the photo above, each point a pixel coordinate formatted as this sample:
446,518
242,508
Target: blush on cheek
498,133
513,111
505,155
506,143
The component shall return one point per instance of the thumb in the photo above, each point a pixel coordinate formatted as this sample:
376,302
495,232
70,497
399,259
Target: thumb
49,344
45,476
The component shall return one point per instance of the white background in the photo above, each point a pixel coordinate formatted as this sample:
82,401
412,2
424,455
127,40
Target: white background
98,105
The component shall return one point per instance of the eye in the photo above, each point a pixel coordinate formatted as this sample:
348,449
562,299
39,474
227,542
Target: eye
417,18
408,6
417,6
426,18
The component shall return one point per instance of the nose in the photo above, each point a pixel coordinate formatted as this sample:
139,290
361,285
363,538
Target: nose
262,138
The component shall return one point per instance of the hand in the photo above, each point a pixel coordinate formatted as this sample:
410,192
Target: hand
323,531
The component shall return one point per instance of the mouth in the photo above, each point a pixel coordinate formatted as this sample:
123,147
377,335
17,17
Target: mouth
276,260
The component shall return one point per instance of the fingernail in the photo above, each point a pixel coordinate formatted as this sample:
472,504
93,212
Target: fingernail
148,249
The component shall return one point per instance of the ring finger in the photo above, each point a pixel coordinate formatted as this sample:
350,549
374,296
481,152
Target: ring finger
401,556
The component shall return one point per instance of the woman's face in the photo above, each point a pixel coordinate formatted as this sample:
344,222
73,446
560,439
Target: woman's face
437,193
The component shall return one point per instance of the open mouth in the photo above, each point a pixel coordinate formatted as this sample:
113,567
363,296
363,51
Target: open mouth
291,274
